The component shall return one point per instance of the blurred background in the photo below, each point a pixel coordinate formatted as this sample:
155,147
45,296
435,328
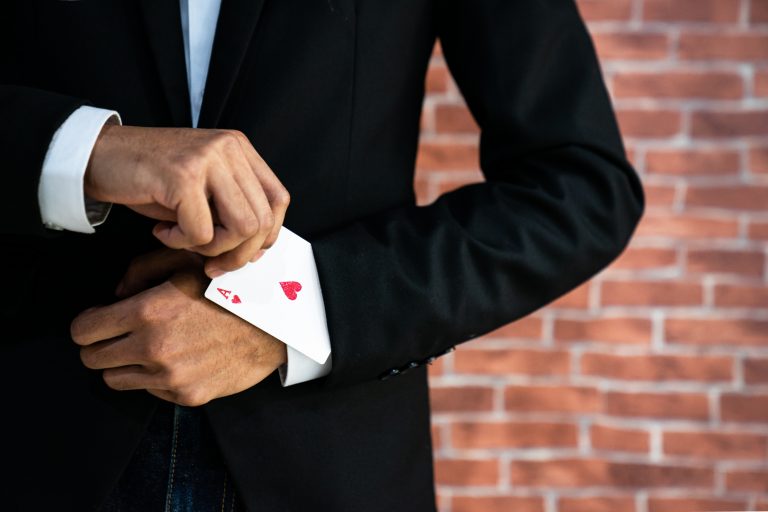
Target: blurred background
645,390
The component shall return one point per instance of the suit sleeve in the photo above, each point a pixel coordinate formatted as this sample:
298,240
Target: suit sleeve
29,117
559,204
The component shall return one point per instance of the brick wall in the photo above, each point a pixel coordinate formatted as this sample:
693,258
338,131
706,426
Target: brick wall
645,390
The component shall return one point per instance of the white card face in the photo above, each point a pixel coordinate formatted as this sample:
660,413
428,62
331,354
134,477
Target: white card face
280,294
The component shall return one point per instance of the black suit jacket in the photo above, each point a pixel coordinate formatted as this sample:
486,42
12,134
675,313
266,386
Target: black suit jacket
329,92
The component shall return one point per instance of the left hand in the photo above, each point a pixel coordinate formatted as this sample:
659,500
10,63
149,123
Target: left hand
171,341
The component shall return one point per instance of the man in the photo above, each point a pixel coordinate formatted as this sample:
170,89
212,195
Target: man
329,94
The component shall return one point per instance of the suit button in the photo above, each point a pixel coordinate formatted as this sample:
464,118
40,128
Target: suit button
408,367
390,373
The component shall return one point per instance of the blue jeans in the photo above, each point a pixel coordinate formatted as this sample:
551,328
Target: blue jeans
177,467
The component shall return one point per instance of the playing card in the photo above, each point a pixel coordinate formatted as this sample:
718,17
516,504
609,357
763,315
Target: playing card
280,294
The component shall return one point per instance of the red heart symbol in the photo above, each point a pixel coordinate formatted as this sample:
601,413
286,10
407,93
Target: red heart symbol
290,288
236,299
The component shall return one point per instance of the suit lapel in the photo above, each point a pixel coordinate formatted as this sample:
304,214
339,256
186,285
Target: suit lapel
234,32
162,20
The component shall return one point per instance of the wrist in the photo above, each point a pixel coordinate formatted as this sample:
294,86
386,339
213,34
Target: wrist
102,150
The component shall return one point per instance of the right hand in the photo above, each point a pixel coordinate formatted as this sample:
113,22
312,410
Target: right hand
211,191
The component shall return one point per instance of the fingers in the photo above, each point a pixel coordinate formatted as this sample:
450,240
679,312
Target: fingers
103,323
127,378
195,223
150,269
276,194
110,354
241,219
155,211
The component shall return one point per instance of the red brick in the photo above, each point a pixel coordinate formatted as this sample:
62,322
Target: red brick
734,295
682,85
605,10
758,160
513,435
436,156
694,504
454,119
715,445
658,405
458,399
756,480
649,123
756,371
758,230
421,188
745,408
631,45
693,162
711,124
438,79
708,331
528,327
466,472
659,367
687,226
715,46
512,361
552,399
574,473
619,439
617,330
496,504
716,11
437,367
453,181
437,437
597,504
657,293
645,258
761,82
759,11
577,298
747,263
745,197
660,195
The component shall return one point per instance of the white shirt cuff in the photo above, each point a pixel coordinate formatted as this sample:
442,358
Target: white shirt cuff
62,201
301,368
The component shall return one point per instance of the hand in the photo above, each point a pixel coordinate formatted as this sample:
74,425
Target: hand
170,174
171,341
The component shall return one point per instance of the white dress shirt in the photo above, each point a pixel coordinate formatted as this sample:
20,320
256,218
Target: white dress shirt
60,193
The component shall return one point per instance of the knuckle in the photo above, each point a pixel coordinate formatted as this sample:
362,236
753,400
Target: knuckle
157,352
201,237
246,225
266,220
187,168
145,311
282,198
173,378
226,140
194,397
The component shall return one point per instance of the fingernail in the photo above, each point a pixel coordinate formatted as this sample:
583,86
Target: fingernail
213,273
258,255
